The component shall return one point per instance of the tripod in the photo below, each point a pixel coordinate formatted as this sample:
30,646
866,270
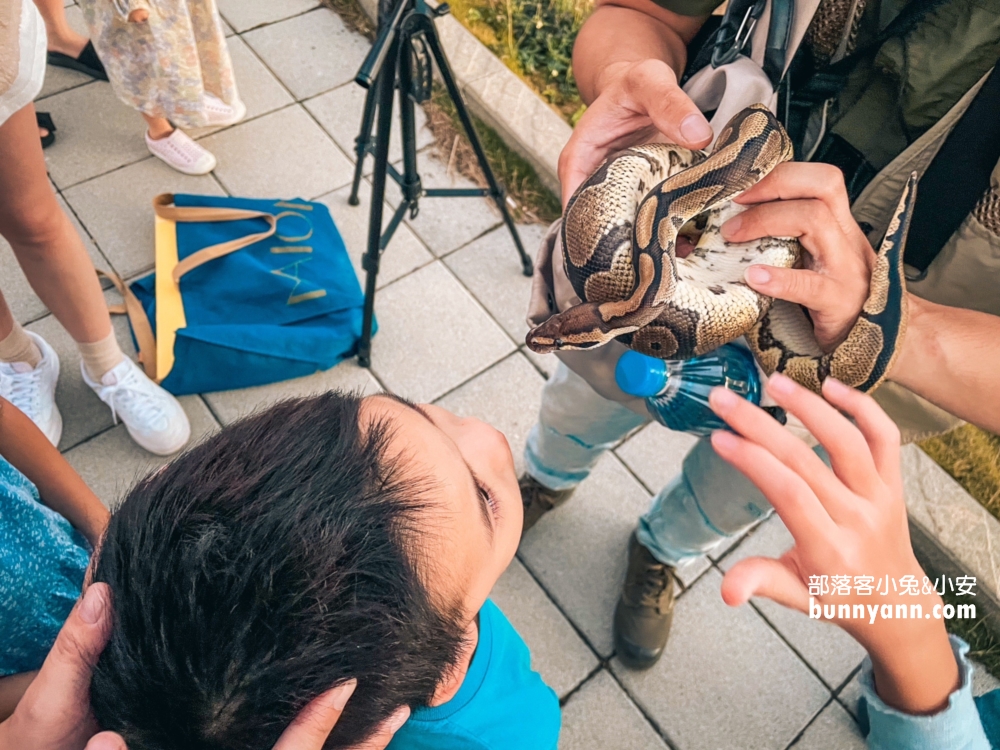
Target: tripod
400,58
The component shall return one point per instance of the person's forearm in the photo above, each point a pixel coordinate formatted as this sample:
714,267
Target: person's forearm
630,31
59,486
951,357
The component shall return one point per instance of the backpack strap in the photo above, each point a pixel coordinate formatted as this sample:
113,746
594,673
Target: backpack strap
958,176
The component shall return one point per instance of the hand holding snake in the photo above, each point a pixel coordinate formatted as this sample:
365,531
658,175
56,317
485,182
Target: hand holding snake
620,237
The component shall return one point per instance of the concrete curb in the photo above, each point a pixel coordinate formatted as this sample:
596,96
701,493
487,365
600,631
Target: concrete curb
952,534
500,99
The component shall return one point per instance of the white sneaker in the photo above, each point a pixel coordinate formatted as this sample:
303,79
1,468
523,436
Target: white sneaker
217,112
181,153
33,390
153,417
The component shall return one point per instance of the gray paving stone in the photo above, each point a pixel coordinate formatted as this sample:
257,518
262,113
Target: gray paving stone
725,679
831,652
99,133
601,716
242,15
578,551
229,406
259,89
339,112
491,270
405,252
833,729
84,414
557,653
544,362
311,53
432,335
849,694
59,79
448,223
284,154
121,218
506,396
690,571
111,462
983,681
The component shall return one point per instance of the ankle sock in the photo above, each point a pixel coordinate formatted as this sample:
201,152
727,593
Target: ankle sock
18,346
101,356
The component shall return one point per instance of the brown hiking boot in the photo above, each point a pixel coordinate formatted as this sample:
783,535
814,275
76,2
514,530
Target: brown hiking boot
538,500
645,609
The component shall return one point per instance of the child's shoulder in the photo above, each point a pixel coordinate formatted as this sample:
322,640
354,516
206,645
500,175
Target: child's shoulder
503,703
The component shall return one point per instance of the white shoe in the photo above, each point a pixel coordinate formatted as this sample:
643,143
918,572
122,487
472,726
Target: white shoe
153,417
182,153
217,112
33,390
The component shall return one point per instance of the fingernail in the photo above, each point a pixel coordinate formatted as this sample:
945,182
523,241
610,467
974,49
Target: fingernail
399,718
343,694
724,439
779,383
835,388
731,227
92,605
758,275
722,400
695,128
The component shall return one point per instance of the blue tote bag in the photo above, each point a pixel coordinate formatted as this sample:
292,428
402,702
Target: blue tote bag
245,292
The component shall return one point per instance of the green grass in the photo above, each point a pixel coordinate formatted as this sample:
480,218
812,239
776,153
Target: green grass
972,457
534,38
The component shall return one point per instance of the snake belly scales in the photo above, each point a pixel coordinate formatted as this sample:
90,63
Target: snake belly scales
620,233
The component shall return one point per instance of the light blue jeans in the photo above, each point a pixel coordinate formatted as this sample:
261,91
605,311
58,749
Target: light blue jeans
708,502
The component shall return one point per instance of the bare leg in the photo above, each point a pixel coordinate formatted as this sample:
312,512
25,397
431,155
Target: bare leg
6,318
62,37
46,245
159,127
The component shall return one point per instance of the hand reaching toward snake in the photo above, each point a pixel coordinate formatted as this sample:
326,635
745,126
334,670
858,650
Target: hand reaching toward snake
809,201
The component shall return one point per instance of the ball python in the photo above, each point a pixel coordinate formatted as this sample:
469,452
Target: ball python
620,233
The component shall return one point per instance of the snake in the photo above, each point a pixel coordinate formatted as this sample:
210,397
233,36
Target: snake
620,234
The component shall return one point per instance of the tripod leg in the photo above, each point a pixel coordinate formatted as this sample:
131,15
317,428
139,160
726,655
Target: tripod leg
385,85
496,192
362,142
411,179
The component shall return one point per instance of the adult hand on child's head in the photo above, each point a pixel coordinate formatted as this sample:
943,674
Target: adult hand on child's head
810,202
849,521
55,714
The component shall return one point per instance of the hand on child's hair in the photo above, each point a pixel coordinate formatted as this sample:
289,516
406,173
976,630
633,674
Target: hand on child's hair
849,522
54,713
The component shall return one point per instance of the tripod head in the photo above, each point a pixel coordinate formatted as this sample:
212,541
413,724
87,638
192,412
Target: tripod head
390,21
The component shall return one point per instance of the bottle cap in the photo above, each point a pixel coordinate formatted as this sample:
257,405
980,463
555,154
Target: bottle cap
639,375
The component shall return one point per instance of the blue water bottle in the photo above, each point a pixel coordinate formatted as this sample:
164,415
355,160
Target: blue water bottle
676,391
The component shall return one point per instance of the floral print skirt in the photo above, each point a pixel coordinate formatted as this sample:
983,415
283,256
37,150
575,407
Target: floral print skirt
164,66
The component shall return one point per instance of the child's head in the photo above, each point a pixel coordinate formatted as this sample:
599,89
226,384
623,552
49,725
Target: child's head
324,539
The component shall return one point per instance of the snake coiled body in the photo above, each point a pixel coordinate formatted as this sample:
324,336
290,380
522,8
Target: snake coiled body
620,234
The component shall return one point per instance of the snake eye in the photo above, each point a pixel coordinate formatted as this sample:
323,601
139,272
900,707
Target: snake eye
559,342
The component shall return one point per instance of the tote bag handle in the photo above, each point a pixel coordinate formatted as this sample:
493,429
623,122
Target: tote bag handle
164,207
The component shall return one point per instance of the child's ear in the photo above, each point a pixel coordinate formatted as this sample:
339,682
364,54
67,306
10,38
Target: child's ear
139,15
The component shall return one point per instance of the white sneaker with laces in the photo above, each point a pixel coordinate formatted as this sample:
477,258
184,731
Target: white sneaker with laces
182,153
33,389
153,417
218,113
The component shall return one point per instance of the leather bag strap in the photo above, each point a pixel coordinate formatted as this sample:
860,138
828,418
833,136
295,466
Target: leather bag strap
143,331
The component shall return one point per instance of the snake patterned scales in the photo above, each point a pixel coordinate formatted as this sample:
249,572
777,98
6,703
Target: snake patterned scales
620,233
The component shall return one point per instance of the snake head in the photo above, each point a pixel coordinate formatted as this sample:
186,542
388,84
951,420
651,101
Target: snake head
578,328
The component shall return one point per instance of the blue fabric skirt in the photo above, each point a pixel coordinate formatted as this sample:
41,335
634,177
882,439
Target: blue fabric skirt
42,564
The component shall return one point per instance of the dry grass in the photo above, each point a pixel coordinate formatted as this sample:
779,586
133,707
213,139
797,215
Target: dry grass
533,201
972,457
353,16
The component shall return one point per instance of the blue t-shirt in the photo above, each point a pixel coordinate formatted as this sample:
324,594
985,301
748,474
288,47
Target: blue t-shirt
42,563
502,704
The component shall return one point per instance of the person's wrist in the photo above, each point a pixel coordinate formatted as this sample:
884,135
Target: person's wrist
914,338
915,669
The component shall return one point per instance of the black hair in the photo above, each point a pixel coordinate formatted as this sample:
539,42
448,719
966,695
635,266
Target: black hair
272,562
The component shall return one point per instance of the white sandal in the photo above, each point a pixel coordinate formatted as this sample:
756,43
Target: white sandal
182,153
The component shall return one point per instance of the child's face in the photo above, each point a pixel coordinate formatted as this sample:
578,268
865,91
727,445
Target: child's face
474,528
